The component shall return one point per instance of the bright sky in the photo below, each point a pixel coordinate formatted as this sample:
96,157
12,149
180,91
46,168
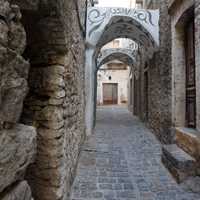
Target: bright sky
116,3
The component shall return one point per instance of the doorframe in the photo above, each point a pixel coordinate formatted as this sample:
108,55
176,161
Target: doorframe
113,83
190,21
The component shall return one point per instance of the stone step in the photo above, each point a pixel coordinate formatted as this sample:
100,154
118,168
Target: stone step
189,140
180,164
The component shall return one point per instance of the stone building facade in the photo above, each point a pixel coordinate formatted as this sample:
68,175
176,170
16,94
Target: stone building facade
185,86
42,48
167,70
152,88
160,91
166,94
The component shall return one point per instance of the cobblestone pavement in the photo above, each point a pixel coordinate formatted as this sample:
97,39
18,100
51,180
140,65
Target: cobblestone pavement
121,161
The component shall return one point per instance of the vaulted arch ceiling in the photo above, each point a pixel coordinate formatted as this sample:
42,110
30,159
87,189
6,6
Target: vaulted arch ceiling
124,55
106,24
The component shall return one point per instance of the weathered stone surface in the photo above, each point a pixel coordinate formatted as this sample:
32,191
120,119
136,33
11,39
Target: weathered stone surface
5,8
12,31
13,86
159,100
55,103
18,192
48,79
17,151
27,4
180,164
153,101
17,35
17,141
4,33
13,67
189,141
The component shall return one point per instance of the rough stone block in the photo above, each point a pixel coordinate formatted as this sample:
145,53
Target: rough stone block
179,163
189,140
27,4
18,192
13,67
17,151
13,87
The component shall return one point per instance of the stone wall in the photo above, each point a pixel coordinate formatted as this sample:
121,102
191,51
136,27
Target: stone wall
17,141
55,103
53,35
159,81
18,148
167,70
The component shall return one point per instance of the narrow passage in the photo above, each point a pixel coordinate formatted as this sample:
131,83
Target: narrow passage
121,161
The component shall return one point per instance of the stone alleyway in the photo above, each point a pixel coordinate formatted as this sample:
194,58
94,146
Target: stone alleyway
121,161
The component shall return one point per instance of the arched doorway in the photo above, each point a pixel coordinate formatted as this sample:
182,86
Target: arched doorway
125,57
106,24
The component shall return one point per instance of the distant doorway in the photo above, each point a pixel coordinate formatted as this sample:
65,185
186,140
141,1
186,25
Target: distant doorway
110,93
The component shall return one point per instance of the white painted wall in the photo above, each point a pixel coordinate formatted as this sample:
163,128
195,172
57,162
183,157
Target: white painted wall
116,3
121,43
118,76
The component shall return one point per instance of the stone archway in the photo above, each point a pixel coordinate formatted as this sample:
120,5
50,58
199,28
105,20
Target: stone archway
122,54
107,24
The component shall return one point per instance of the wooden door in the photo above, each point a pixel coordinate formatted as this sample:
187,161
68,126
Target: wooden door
190,76
110,93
